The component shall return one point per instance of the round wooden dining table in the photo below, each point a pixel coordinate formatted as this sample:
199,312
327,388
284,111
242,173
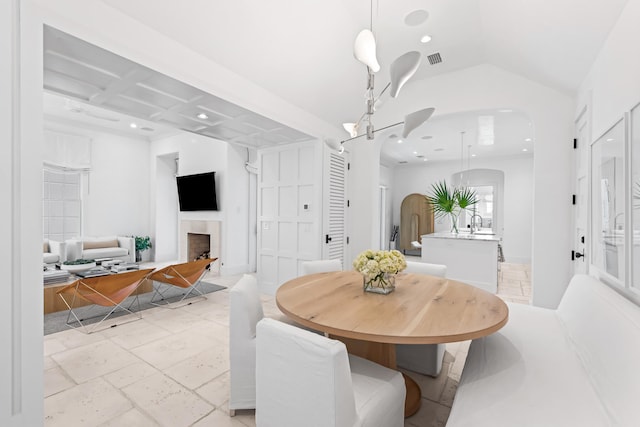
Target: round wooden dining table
422,310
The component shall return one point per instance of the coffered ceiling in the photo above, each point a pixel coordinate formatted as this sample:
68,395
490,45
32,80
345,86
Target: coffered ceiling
94,81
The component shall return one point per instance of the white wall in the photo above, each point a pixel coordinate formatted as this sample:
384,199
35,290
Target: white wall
198,154
115,193
166,213
116,197
552,114
518,197
236,199
612,86
386,180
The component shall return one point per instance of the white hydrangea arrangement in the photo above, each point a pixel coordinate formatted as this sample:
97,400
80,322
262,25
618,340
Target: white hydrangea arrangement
375,266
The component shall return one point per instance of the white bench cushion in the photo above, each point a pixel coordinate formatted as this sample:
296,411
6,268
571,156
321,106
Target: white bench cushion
526,375
604,329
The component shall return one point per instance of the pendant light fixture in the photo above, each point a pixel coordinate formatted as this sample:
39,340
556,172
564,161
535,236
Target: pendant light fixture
401,70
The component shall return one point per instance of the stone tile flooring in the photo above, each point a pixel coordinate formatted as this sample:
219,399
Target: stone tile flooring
172,367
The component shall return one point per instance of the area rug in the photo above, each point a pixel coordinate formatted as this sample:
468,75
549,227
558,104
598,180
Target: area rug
56,322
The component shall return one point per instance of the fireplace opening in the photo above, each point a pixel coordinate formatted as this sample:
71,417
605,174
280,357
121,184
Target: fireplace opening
198,246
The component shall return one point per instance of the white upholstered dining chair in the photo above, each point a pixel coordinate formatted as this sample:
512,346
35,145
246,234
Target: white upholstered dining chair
422,358
321,266
304,379
245,310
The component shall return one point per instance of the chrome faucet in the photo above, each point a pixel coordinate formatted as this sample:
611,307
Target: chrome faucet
615,221
474,224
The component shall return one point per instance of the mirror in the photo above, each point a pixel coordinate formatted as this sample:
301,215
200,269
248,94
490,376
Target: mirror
608,206
635,193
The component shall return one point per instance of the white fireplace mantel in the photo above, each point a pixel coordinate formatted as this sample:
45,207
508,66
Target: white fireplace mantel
212,228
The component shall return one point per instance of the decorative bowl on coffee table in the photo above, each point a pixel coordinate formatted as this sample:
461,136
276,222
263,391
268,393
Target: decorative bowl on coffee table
75,268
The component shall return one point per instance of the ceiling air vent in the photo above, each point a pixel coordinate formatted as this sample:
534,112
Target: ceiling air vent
434,58
402,162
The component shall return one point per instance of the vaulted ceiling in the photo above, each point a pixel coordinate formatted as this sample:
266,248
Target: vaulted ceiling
302,51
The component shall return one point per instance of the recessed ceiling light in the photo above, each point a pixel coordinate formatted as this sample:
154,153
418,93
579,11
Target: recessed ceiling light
524,149
133,125
505,110
438,149
415,152
417,17
425,159
399,141
473,155
527,139
609,139
202,116
425,39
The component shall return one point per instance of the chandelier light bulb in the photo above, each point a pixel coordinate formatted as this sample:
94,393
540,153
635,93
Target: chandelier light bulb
415,119
402,69
364,50
351,128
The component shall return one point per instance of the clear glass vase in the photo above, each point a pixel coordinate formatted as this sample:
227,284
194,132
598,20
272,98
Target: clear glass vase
383,283
454,223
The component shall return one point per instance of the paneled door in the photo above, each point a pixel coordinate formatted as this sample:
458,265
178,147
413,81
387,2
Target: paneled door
288,212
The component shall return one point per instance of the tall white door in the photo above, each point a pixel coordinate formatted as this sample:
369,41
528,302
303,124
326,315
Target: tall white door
288,212
581,194
335,206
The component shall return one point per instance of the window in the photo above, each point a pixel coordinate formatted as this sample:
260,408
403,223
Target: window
61,204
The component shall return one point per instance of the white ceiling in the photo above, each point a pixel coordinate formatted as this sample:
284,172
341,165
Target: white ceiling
441,138
301,50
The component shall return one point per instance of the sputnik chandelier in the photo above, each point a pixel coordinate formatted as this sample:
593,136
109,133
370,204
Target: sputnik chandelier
401,70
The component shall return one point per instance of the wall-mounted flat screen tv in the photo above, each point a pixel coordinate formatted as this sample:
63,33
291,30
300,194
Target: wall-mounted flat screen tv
197,192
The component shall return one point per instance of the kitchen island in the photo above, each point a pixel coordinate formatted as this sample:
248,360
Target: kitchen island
470,258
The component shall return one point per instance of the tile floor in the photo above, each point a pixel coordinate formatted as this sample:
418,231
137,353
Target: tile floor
172,368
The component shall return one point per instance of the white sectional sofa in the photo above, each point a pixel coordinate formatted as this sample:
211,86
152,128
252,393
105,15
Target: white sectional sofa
114,247
578,365
53,252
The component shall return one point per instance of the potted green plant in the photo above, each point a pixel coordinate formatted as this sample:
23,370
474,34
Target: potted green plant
142,244
450,201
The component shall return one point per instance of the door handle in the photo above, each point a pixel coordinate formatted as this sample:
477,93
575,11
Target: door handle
327,239
575,255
